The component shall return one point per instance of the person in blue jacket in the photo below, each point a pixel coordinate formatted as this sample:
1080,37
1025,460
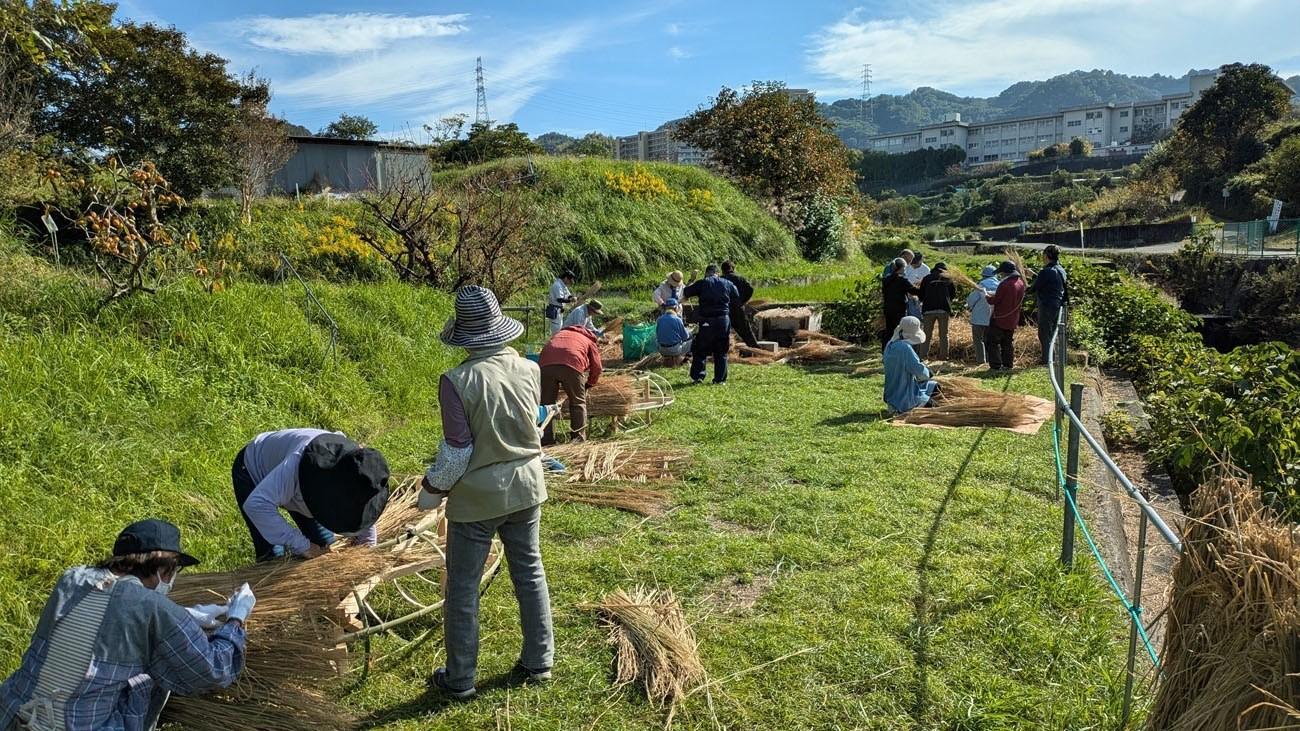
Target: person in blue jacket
714,337
907,380
673,337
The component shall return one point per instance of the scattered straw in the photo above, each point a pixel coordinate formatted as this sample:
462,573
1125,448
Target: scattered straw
629,461
1230,655
653,644
961,346
642,499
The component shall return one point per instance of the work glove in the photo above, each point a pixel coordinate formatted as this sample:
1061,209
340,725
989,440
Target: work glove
208,615
430,499
241,603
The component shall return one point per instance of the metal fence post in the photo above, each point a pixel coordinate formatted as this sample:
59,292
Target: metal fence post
1062,348
1071,477
1135,617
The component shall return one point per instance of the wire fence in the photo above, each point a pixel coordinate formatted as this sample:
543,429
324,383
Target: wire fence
1255,239
1067,478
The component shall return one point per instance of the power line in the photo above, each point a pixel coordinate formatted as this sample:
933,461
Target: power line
480,111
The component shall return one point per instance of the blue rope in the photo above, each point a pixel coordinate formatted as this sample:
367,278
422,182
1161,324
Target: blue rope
1134,613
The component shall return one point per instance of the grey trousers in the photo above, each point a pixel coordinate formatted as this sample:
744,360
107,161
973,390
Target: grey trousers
467,551
977,337
928,321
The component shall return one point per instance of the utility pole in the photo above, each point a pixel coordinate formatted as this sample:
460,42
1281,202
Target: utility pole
481,112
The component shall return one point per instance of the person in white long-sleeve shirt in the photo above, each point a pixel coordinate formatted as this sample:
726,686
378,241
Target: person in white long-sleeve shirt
326,482
981,311
557,298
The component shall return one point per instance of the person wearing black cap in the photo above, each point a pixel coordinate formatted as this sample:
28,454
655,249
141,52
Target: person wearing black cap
714,337
326,482
739,310
110,647
1005,303
1049,290
895,292
557,298
489,472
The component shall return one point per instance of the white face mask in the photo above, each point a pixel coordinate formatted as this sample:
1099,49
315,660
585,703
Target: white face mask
164,587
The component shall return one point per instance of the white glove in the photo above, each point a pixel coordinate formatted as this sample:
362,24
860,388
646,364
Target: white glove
241,603
207,615
430,500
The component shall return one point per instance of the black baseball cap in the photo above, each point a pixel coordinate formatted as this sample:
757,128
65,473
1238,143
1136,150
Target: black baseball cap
150,535
1007,267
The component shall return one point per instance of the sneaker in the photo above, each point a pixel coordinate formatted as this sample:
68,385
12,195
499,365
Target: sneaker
696,381
439,681
719,383
522,674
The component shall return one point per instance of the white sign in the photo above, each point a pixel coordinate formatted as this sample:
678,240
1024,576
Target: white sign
1225,193
1275,216
50,225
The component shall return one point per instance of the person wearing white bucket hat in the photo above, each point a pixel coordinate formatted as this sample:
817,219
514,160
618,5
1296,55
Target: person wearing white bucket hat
907,380
489,470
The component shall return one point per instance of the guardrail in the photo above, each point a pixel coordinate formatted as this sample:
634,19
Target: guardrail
1067,476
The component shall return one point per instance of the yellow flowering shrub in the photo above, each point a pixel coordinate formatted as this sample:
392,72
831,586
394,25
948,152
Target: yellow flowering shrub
640,184
700,199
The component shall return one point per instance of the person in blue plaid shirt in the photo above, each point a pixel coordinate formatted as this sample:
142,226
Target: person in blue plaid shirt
110,646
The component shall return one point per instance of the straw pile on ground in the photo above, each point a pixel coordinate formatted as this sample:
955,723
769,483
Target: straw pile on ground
654,646
961,347
965,402
613,395
622,475
1232,647
291,654
808,347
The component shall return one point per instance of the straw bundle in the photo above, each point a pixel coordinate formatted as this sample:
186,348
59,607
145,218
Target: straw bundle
809,335
629,461
1232,647
964,402
638,498
614,395
956,275
961,347
653,644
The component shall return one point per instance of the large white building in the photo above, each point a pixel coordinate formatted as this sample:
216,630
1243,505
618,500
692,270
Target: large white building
1110,128
659,145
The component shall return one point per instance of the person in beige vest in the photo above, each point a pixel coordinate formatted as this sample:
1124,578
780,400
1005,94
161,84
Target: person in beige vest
489,471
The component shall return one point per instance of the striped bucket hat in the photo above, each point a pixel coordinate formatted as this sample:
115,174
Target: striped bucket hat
478,322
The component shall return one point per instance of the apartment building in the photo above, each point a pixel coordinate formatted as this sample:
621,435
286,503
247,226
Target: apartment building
1110,127
658,145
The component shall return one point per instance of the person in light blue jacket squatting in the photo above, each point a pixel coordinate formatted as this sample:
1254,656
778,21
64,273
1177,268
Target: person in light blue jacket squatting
907,380
981,311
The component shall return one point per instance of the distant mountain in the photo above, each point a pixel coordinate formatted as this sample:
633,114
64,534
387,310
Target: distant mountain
895,113
1294,83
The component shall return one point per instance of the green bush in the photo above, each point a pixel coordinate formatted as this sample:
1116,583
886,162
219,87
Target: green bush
1118,311
858,316
821,235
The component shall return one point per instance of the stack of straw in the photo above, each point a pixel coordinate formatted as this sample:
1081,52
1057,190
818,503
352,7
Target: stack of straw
291,654
1232,648
653,644
613,395
964,402
626,476
961,347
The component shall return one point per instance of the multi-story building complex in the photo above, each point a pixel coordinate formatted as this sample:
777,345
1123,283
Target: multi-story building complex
658,146
1110,127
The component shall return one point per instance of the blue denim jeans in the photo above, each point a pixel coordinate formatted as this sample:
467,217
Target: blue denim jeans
467,551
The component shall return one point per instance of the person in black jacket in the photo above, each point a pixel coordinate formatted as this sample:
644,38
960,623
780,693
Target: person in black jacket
714,337
1049,289
937,294
739,313
894,289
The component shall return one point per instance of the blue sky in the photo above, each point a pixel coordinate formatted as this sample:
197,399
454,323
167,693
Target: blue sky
616,67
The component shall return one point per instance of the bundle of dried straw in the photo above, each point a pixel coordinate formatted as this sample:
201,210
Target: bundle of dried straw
961,346
958,276
614,395
1231,656
624,475
653,644
965,402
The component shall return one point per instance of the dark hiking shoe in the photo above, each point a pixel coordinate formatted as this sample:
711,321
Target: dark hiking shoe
439,680
521,674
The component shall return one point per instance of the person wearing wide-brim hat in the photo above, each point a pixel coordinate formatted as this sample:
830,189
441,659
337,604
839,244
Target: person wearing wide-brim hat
327,483
110,647
489,472
907,380
669,289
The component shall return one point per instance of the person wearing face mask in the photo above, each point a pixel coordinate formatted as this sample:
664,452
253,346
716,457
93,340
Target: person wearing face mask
327,483
110,647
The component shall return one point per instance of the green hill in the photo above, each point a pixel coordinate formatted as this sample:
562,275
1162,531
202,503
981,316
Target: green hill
895,113
675,216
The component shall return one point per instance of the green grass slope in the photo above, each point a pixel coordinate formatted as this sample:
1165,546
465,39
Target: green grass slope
601,231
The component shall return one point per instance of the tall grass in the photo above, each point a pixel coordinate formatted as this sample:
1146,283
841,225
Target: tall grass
138,412
604,232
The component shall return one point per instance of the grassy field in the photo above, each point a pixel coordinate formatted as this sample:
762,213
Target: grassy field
913,570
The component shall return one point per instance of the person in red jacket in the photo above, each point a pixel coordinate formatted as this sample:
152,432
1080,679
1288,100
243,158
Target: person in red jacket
571,353
1005,302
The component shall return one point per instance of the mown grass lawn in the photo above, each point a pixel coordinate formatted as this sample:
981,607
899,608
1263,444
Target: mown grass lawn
914,570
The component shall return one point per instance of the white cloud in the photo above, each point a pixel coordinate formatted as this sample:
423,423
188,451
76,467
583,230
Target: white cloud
982,46
673,29
343,34
677,53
